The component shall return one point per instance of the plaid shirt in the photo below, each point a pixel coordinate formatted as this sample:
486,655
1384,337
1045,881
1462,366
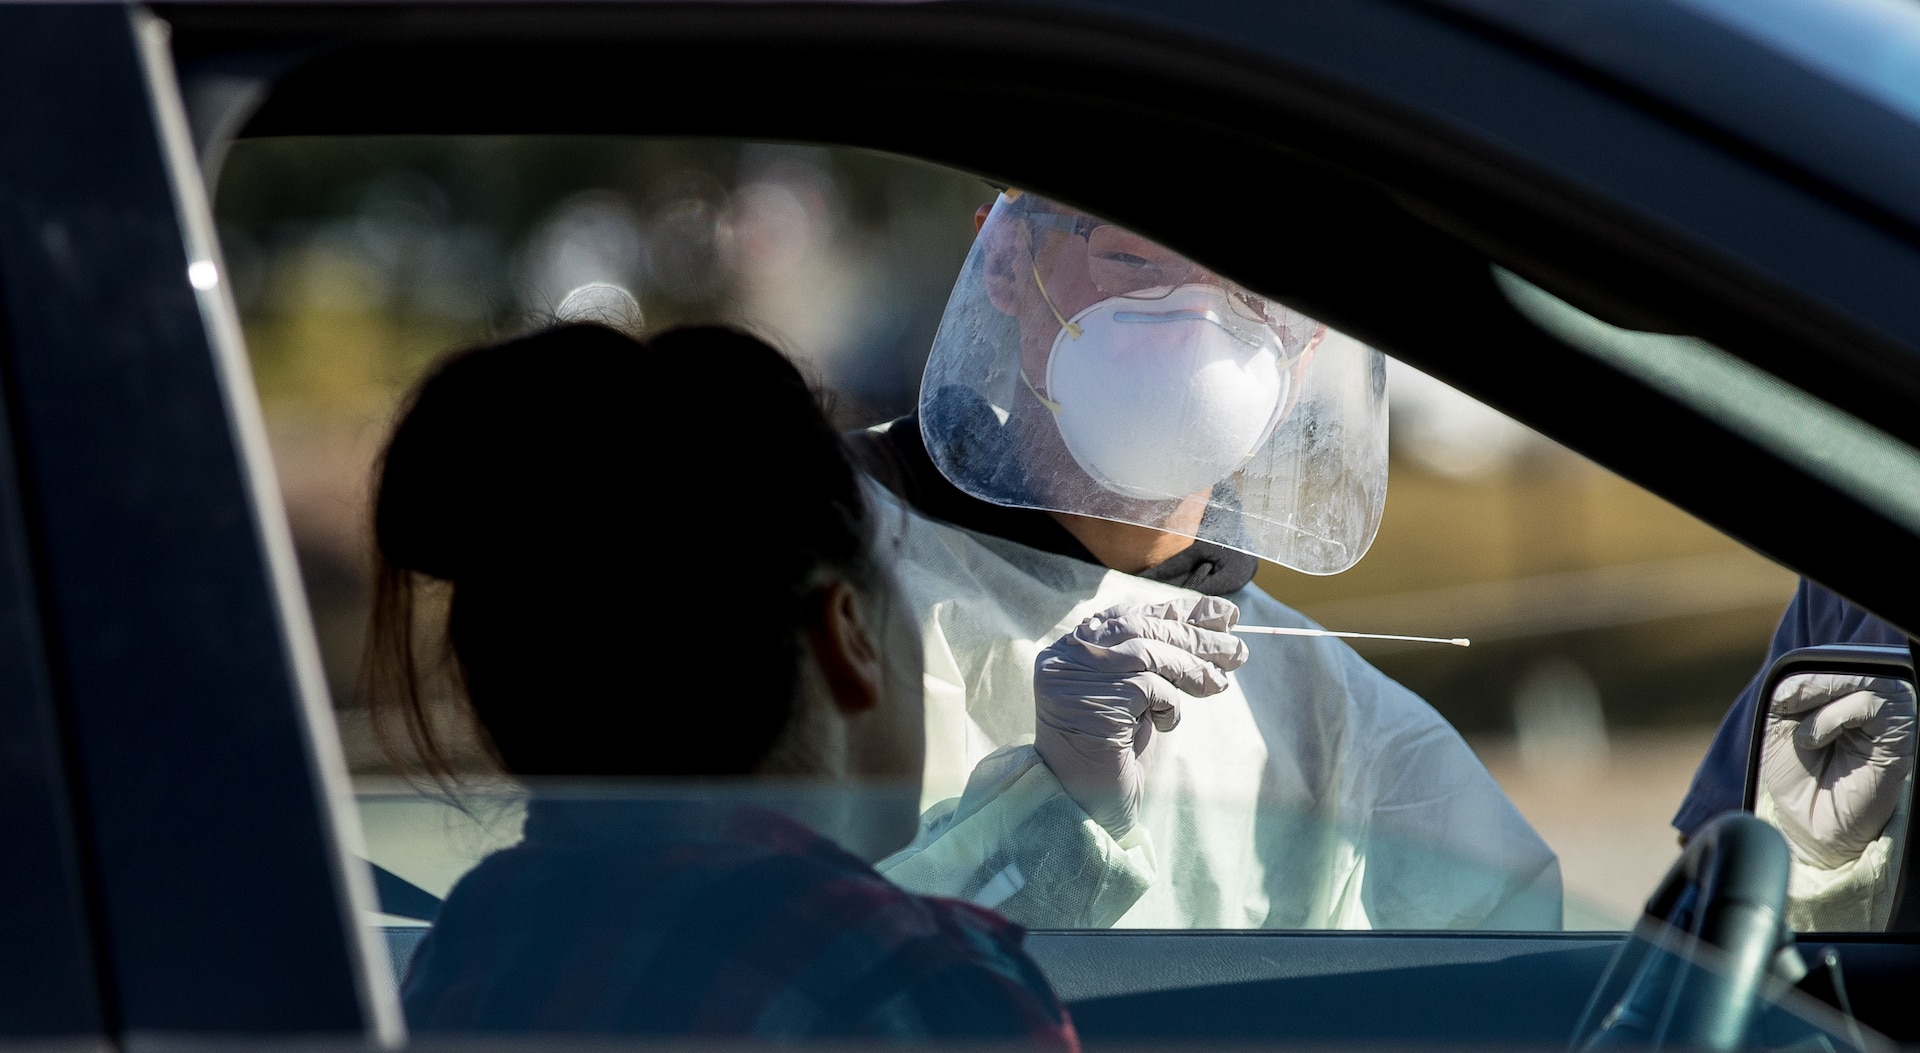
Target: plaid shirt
686,918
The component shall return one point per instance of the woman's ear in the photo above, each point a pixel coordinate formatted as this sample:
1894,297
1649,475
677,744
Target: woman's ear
843,646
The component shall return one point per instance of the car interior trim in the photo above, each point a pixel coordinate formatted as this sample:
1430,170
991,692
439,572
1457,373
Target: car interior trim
1873,466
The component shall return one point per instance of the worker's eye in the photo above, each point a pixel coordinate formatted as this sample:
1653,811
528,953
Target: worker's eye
1125,261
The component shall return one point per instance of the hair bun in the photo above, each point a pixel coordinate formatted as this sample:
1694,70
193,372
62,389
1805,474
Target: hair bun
579,446
494,458
578,487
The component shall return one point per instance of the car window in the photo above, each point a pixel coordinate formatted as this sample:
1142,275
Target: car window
1610,632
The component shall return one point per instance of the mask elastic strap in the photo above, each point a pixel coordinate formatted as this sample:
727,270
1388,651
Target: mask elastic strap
1044,401
1073,329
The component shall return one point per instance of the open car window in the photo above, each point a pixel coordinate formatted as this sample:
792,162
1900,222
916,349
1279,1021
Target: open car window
1610,632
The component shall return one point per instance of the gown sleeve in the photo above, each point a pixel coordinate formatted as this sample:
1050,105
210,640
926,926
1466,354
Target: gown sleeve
1015,842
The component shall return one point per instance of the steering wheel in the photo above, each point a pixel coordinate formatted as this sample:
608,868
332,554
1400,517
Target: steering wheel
1722,904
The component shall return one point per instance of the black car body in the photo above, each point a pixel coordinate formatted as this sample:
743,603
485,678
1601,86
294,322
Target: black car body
175,820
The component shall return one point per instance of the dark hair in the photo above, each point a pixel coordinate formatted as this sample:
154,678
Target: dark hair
634,533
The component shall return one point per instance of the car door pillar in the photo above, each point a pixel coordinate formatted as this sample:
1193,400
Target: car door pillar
210,797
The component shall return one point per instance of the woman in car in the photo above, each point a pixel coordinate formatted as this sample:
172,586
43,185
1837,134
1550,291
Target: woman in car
531,478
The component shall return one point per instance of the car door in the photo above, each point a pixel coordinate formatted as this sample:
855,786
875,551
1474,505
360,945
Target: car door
1473,139
1486,147
1430,142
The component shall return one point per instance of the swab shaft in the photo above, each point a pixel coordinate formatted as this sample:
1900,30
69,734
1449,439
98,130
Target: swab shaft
1282,630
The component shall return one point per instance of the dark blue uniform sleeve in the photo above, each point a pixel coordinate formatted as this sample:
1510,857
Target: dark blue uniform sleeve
1816,616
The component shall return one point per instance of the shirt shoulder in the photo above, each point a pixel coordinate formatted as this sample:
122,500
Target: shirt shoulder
764,929
890,963
971,979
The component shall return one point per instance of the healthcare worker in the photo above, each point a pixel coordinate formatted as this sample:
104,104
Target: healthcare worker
1103,422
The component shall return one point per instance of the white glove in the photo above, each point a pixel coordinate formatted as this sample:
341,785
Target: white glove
1836,757
1100,692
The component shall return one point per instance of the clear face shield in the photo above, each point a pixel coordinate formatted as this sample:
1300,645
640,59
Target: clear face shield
1081,368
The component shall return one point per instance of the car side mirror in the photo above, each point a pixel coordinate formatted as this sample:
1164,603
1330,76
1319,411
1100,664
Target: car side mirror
1831,767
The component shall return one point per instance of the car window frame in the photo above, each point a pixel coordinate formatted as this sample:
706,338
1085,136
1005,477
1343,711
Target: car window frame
322,891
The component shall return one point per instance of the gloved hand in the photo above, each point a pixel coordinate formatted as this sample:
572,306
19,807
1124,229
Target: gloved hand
1102,690
1836,756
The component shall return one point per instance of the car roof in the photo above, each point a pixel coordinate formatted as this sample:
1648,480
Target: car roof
1826,87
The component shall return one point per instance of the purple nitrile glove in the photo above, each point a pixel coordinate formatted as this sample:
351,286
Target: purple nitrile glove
1102,690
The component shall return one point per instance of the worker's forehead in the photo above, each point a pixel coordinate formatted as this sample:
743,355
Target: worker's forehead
1065,217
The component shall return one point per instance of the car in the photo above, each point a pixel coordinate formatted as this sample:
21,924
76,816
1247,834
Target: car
1674,237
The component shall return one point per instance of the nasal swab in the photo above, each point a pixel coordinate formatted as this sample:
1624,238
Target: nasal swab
1281,630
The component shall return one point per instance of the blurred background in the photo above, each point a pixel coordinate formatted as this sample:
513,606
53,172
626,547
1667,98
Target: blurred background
1610,631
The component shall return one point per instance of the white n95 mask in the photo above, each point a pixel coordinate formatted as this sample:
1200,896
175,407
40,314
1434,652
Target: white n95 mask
1162,398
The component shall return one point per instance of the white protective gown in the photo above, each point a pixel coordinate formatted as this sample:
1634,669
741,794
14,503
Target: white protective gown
1313,793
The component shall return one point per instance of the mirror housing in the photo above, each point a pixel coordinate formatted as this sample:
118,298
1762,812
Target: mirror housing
1835,782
